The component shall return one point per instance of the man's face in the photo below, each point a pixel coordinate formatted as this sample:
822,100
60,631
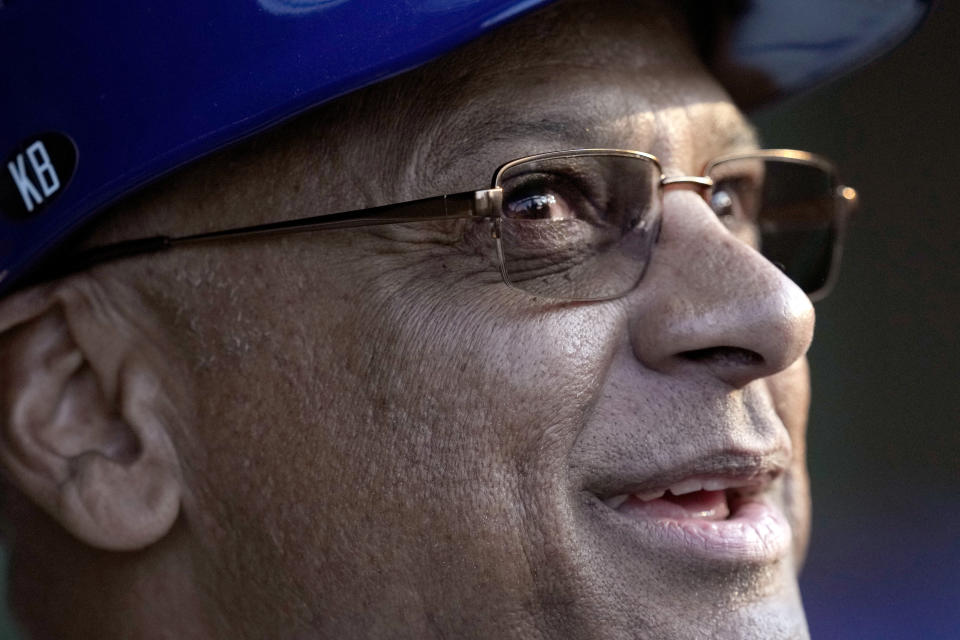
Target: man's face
393,443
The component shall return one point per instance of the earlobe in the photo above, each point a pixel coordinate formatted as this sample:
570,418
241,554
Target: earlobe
85,420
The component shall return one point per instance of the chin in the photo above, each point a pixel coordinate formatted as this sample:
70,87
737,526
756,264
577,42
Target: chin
661,603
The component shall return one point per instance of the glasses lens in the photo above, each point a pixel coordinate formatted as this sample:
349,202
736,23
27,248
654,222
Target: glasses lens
786,209
578,227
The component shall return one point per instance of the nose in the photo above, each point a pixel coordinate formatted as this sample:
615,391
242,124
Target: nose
711,303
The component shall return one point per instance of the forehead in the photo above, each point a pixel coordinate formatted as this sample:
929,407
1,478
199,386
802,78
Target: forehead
618,75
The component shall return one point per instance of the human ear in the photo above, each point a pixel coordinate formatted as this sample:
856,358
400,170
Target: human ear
84,417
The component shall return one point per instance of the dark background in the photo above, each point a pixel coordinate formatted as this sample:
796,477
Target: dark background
884,440
884,436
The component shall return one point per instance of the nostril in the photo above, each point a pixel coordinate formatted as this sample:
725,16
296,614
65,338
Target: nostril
724,356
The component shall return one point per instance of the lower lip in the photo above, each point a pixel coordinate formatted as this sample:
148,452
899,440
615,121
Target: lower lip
755,532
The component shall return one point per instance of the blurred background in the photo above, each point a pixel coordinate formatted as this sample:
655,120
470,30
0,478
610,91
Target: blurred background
884,435
884,439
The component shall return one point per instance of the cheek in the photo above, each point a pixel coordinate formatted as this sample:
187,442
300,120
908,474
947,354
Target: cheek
487,365
790,390
433,415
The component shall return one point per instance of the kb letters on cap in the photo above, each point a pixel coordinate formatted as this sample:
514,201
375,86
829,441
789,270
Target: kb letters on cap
36,173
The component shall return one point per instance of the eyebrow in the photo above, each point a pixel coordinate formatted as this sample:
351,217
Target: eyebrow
740,135
479,142
544,130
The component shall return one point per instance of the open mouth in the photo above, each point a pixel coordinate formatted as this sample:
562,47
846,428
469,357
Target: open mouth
712,499
721,518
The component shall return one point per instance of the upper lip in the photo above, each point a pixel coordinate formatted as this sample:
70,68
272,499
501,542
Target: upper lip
731,469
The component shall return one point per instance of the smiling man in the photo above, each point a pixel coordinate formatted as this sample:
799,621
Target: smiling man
569,403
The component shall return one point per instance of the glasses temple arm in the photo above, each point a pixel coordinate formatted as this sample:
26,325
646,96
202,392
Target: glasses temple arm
458,205
468,204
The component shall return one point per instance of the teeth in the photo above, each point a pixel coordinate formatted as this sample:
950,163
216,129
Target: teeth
716,485
687,486
651,495
614,502
684,487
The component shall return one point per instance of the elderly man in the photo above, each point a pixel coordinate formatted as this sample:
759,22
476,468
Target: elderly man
568,405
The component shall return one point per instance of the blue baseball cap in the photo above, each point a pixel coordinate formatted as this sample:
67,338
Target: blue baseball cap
100,98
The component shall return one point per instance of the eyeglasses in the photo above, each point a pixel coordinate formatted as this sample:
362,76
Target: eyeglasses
580,225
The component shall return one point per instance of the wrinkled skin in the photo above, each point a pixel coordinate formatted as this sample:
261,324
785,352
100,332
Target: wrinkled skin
378,439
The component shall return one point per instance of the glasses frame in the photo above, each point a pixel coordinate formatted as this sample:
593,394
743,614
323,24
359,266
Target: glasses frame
846,201
478,204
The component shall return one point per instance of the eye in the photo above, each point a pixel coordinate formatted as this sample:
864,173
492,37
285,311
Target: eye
733,201
734,204
577,227
722,204
550,224
561,193
538,206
